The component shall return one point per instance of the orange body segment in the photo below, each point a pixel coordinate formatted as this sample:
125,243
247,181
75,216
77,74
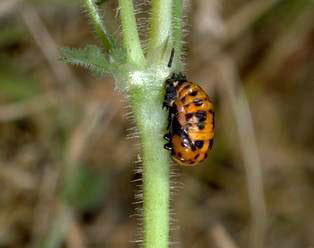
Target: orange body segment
191,135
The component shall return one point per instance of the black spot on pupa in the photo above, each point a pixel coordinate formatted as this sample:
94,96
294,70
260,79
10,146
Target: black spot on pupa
197,102
211,143
196,156
186,87
180,77
175,127
169,81
201,115
205,156
189,116
201,125
179,154
183,99
213,120
199,143
193,93
171,94
187,105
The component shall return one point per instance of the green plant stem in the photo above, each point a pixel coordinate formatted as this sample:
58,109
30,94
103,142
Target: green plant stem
151,123
160,29
98,25
131,39
145,87
177,32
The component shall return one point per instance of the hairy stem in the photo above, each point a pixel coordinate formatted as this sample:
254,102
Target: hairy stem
160,29
144,83
156,162
131,39
177,33
98,25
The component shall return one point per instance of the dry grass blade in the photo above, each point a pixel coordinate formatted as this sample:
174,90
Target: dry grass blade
232,91
48,47
89,125
14,111
8,6
76,237
17,177
221,237
241,20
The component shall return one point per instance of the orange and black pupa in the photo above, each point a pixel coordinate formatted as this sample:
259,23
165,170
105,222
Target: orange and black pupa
191,120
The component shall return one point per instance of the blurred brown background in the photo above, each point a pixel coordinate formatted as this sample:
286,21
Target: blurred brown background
67,157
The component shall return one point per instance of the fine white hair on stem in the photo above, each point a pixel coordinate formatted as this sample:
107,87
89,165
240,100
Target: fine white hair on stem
142,12
184,30
175,187
138,170
138,202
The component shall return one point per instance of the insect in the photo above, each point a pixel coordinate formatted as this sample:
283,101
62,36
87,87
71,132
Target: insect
191,120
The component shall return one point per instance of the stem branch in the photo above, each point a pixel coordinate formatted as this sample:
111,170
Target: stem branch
131,39
98,25
177,32
160,30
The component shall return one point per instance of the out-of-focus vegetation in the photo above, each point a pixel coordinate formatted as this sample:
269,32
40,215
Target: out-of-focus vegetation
66,157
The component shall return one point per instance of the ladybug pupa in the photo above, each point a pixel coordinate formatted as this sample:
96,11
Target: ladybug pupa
191,120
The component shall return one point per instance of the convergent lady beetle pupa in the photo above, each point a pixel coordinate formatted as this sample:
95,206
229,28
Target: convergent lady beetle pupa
191,120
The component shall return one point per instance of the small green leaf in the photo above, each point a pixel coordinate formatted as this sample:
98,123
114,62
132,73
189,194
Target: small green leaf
90,57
